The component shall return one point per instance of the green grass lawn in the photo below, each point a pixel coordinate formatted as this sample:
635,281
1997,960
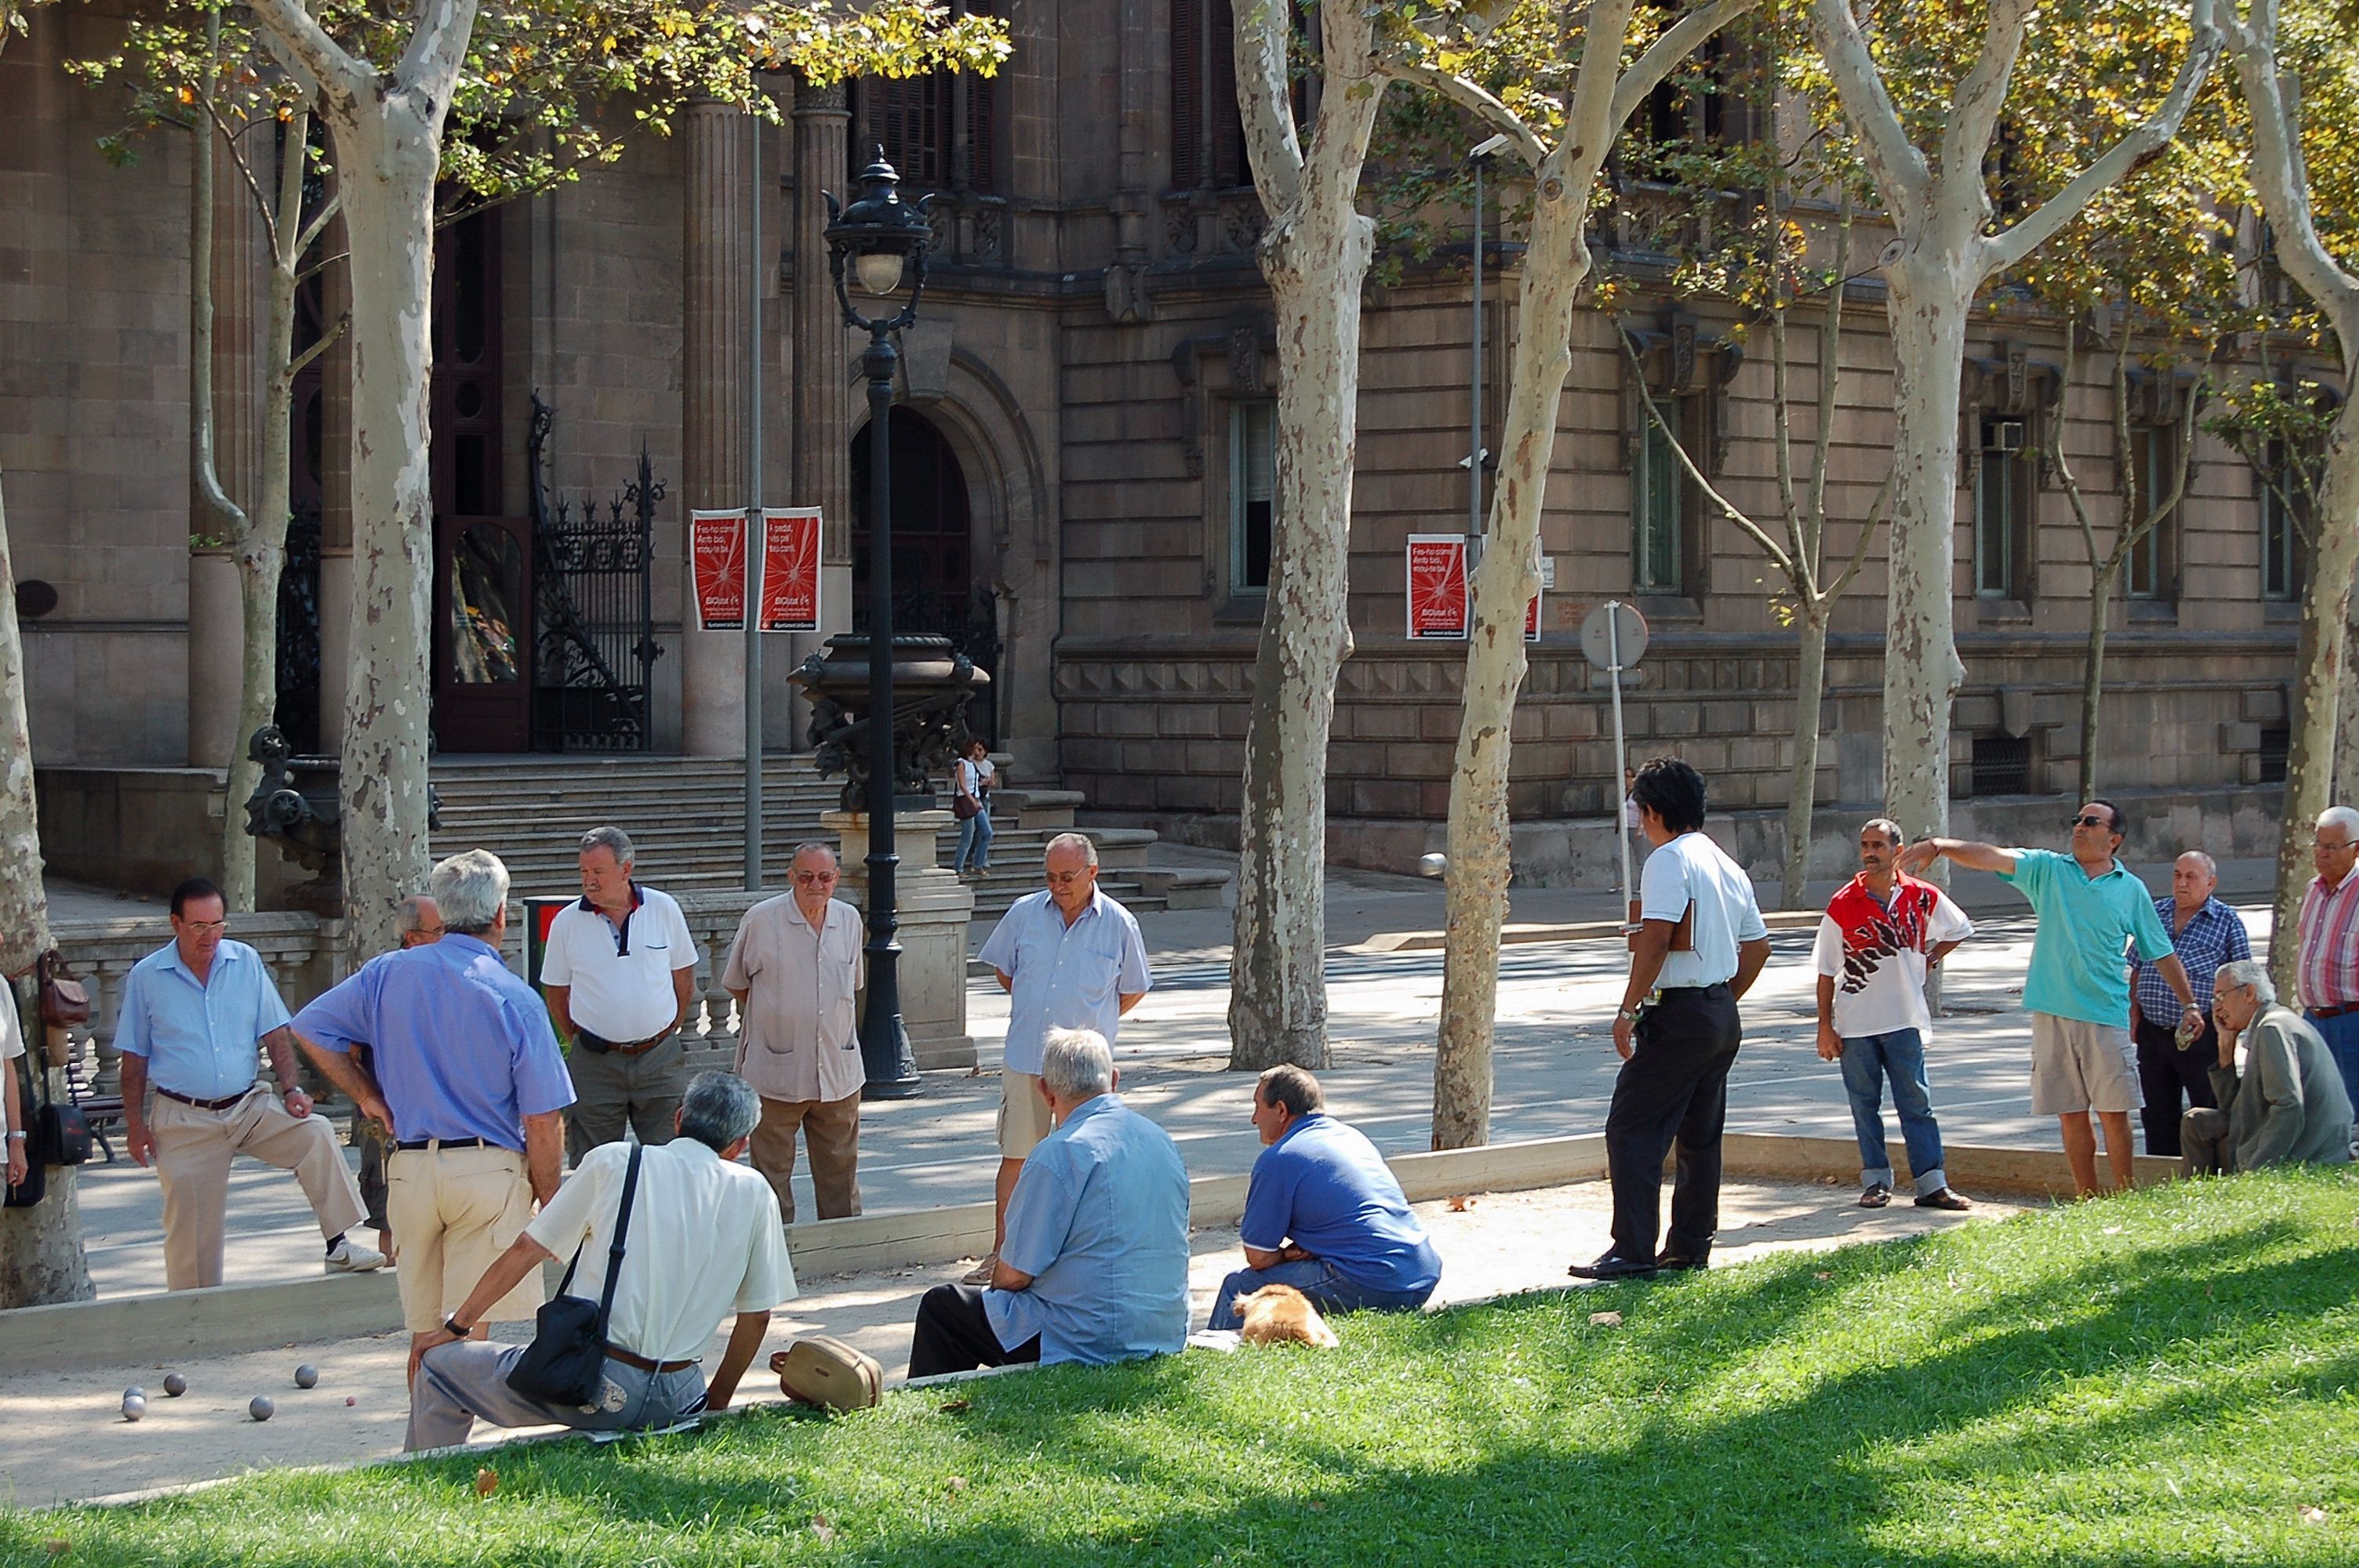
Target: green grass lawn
2165,1379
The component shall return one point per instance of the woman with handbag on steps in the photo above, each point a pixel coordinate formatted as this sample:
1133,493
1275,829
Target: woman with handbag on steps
971,778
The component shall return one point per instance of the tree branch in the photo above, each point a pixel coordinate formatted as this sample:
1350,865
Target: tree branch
1976,103
1655,415
293,29
327,340
2010,249
437,48
1663,56
2283,180
1875,517
1266,104
1893,161
1473,96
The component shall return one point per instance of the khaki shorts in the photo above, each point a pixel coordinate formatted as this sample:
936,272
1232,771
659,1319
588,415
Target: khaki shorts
2077,1066
1023,1114
455,1210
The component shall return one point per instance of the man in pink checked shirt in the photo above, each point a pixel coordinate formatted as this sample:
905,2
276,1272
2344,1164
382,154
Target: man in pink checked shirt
2329,966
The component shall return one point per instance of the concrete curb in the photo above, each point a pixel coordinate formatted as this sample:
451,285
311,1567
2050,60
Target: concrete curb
1576,931
231,1318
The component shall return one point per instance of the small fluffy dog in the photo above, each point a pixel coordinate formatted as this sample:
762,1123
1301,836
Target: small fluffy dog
1280,1314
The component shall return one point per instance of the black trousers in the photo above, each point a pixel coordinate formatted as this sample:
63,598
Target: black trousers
953,1335
1673,1091
2163,1071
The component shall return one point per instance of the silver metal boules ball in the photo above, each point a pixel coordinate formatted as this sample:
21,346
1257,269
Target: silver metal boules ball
175,1385
261,1409
306,1376
1432,865
134,1407
135,1392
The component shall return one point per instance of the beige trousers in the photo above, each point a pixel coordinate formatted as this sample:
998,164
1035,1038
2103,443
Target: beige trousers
456,1210
832,1129
193,1149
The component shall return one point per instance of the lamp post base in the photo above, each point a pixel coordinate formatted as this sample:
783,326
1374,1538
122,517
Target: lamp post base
892,1066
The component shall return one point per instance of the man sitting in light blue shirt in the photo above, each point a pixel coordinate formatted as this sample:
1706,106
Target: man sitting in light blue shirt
1324,1213
193,1013
2091,911
1094,1265
1069,957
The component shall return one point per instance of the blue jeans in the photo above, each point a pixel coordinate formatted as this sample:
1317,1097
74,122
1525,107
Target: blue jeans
974,842
1866,1063
1317,1278
2341,1033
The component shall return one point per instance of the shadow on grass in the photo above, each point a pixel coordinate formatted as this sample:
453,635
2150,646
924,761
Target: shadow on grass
2147,1398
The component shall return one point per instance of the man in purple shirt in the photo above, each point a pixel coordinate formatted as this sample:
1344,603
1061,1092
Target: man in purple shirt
462,1052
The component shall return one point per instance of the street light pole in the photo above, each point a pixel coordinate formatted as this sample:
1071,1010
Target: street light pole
756,546
884,239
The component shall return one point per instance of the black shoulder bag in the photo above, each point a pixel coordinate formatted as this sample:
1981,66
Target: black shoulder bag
566,1359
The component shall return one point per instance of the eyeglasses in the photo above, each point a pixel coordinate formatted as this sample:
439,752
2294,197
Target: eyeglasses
2331,844
1067,879
2091,820
815,879
206,927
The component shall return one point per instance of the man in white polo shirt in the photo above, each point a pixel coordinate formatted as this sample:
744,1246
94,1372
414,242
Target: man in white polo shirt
1069,957
620,975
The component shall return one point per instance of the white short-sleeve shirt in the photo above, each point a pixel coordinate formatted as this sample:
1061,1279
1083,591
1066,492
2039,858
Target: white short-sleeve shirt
1692,869
704,1242
620,977
12,1046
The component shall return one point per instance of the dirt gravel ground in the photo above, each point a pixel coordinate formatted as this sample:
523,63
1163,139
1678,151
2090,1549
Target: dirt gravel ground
68,1441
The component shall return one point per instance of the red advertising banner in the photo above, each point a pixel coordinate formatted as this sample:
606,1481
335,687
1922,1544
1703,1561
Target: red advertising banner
790,568
1438,600
1532,619
716,550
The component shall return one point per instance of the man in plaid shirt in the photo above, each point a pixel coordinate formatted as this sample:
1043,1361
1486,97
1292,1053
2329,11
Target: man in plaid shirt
2206,934
2329,966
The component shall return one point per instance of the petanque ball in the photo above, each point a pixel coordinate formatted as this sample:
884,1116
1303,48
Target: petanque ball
175,1385
261,1409
1432,865
134,1407
135,1392
306,1376
350,1402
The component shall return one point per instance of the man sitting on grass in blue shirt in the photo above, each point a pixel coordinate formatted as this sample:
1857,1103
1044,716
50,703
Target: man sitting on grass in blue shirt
1323,1213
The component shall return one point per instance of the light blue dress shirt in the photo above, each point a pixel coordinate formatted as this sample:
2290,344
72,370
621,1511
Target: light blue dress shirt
462,1047
199,1036
1099,1219
1066,977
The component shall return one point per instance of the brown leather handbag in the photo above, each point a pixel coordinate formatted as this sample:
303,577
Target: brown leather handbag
65,1000
824,1371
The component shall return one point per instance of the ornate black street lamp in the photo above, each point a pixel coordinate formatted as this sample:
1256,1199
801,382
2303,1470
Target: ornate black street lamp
884,239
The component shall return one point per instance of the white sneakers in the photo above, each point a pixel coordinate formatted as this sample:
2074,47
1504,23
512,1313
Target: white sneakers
351,1258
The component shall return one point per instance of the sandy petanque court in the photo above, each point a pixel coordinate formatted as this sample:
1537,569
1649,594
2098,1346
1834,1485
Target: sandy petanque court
68,1441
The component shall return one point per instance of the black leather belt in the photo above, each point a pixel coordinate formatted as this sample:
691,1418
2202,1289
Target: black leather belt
222,1104
446,1143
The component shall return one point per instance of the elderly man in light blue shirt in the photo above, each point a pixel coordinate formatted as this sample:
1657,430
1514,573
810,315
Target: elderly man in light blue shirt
192,1015
1069,957
476,1087
1094,1265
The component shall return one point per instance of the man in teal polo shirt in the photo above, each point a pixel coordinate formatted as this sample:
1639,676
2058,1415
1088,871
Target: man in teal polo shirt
2090,910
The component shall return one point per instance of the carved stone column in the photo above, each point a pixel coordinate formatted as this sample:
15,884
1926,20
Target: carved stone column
216,621
718,284
823,355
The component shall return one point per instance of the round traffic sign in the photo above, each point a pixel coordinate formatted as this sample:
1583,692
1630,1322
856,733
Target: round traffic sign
1627,637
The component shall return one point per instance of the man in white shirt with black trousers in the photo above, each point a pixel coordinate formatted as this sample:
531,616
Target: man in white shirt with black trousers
1698,947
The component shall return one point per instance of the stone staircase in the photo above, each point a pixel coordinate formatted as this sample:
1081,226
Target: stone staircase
686,817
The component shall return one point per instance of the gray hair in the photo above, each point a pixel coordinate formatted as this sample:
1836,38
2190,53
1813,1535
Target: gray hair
2342,816
1889,828
718,1108
2211,866
471,888
815,847
613,840
1073,841
1076,1064
2253,973
409,915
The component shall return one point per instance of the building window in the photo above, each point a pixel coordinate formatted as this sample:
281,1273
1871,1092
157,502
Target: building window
1253,493
2280,530
2004,501
2002,764
1207,139
2149,572
1659,516
937,130
2276,740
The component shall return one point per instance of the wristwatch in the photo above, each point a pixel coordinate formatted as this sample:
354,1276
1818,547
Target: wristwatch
1626,1015
453,1325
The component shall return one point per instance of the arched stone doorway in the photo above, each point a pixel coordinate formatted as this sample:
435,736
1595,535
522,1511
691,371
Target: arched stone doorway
935,587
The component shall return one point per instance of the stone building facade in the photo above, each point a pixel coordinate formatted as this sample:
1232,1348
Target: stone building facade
1082,460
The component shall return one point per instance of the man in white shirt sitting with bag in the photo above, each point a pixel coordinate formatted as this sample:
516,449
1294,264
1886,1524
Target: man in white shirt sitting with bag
703,1239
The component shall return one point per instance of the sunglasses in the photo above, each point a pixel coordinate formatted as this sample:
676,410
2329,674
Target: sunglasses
2091,820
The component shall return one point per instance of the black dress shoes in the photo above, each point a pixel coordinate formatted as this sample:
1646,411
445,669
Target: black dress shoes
1610,1267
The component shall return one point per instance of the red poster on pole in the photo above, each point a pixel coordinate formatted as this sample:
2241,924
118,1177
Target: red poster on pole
716,551
1532,619
790,568
1437,588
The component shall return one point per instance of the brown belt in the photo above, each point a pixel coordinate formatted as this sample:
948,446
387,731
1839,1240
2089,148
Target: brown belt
635,1047
643,1364
222,1104
2337,1010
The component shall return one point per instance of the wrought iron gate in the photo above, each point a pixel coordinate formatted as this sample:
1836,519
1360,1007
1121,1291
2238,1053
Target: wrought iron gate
594,601
298,711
